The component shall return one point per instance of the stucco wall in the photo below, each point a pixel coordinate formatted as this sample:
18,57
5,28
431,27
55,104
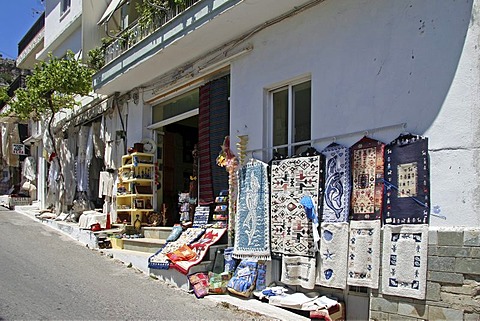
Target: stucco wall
55,22
375,64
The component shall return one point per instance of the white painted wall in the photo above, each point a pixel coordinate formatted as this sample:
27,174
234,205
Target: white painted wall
56,22
377,63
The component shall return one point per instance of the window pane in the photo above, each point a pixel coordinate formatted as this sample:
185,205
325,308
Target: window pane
301,95
280,117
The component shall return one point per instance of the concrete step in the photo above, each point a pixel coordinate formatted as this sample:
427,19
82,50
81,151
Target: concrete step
160,232
148,245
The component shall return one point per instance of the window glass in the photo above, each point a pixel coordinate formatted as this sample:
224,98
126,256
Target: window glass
291,117
65,5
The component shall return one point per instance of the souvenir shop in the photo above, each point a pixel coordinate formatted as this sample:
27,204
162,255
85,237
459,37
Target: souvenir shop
305,230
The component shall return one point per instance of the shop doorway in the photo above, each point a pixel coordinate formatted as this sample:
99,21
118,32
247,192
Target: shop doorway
177,143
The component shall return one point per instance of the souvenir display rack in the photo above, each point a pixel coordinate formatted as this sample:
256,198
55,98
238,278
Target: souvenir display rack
135,187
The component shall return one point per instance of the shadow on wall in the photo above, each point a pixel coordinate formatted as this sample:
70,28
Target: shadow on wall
389,62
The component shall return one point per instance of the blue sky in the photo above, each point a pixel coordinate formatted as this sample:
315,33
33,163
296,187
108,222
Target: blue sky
16,18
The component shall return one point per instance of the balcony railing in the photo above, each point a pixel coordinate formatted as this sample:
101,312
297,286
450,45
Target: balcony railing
136,32
30,35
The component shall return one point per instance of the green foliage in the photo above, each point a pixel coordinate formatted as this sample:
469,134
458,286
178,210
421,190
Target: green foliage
51,87
3,95
96,56
149,9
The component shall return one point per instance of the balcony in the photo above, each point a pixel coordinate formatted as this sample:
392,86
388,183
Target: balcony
181,36
135,32
31,43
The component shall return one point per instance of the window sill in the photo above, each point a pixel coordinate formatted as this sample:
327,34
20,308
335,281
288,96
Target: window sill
64,14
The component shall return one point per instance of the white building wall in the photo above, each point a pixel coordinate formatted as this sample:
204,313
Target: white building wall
375,64
57,22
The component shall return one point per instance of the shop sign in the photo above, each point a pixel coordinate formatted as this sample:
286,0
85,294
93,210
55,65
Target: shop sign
18,149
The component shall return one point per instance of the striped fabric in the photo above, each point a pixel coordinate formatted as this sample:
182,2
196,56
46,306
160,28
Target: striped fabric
219,128
204,169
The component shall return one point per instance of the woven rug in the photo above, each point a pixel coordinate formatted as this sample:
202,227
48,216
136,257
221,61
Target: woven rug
219,128
407,181
367,162
205,169
252,224
404,260
210,237
291,180
364,254
336,198
159,260
298,270
332,271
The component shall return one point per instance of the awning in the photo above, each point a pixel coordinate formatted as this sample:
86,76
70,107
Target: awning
114,5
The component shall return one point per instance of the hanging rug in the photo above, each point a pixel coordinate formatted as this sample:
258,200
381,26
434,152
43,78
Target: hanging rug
404,260
364,254
291,180
332,271
252,223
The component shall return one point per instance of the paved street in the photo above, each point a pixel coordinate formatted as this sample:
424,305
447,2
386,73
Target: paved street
47,275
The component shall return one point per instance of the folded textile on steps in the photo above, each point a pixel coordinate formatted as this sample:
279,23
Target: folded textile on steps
302,301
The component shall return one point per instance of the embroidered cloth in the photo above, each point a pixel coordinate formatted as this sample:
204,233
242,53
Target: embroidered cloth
336,199
407,181
404,260
291,180
200,247
252,224
367,162
160,259
298,270
364,254
332,271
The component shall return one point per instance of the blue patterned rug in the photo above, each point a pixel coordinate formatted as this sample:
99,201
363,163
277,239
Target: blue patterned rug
252,225
336,200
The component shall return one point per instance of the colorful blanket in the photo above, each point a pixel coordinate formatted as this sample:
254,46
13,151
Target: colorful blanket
160,259
336,198
364,254
404,260
407,181
291,180
298,270
367,161
200,247
332,271
252,224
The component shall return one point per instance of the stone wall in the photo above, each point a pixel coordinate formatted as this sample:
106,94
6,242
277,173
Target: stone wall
453,281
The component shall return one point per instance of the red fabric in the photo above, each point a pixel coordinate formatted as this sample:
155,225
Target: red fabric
205,169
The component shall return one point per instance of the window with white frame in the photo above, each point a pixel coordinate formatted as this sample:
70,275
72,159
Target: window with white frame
291,117
65,5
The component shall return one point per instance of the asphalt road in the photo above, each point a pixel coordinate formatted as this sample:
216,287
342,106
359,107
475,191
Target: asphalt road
45,275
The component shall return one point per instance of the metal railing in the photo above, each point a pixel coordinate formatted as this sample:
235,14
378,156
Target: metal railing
136,32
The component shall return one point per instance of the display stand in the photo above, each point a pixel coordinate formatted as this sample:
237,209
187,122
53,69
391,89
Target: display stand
135,188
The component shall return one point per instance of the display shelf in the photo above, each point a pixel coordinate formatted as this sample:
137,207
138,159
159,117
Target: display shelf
135,187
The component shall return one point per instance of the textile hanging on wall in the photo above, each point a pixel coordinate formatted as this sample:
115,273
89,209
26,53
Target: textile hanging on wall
298,270
364,254
204,168
407,181
219,129
252,223
332,271
336,198
367,161
404,260
291,180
